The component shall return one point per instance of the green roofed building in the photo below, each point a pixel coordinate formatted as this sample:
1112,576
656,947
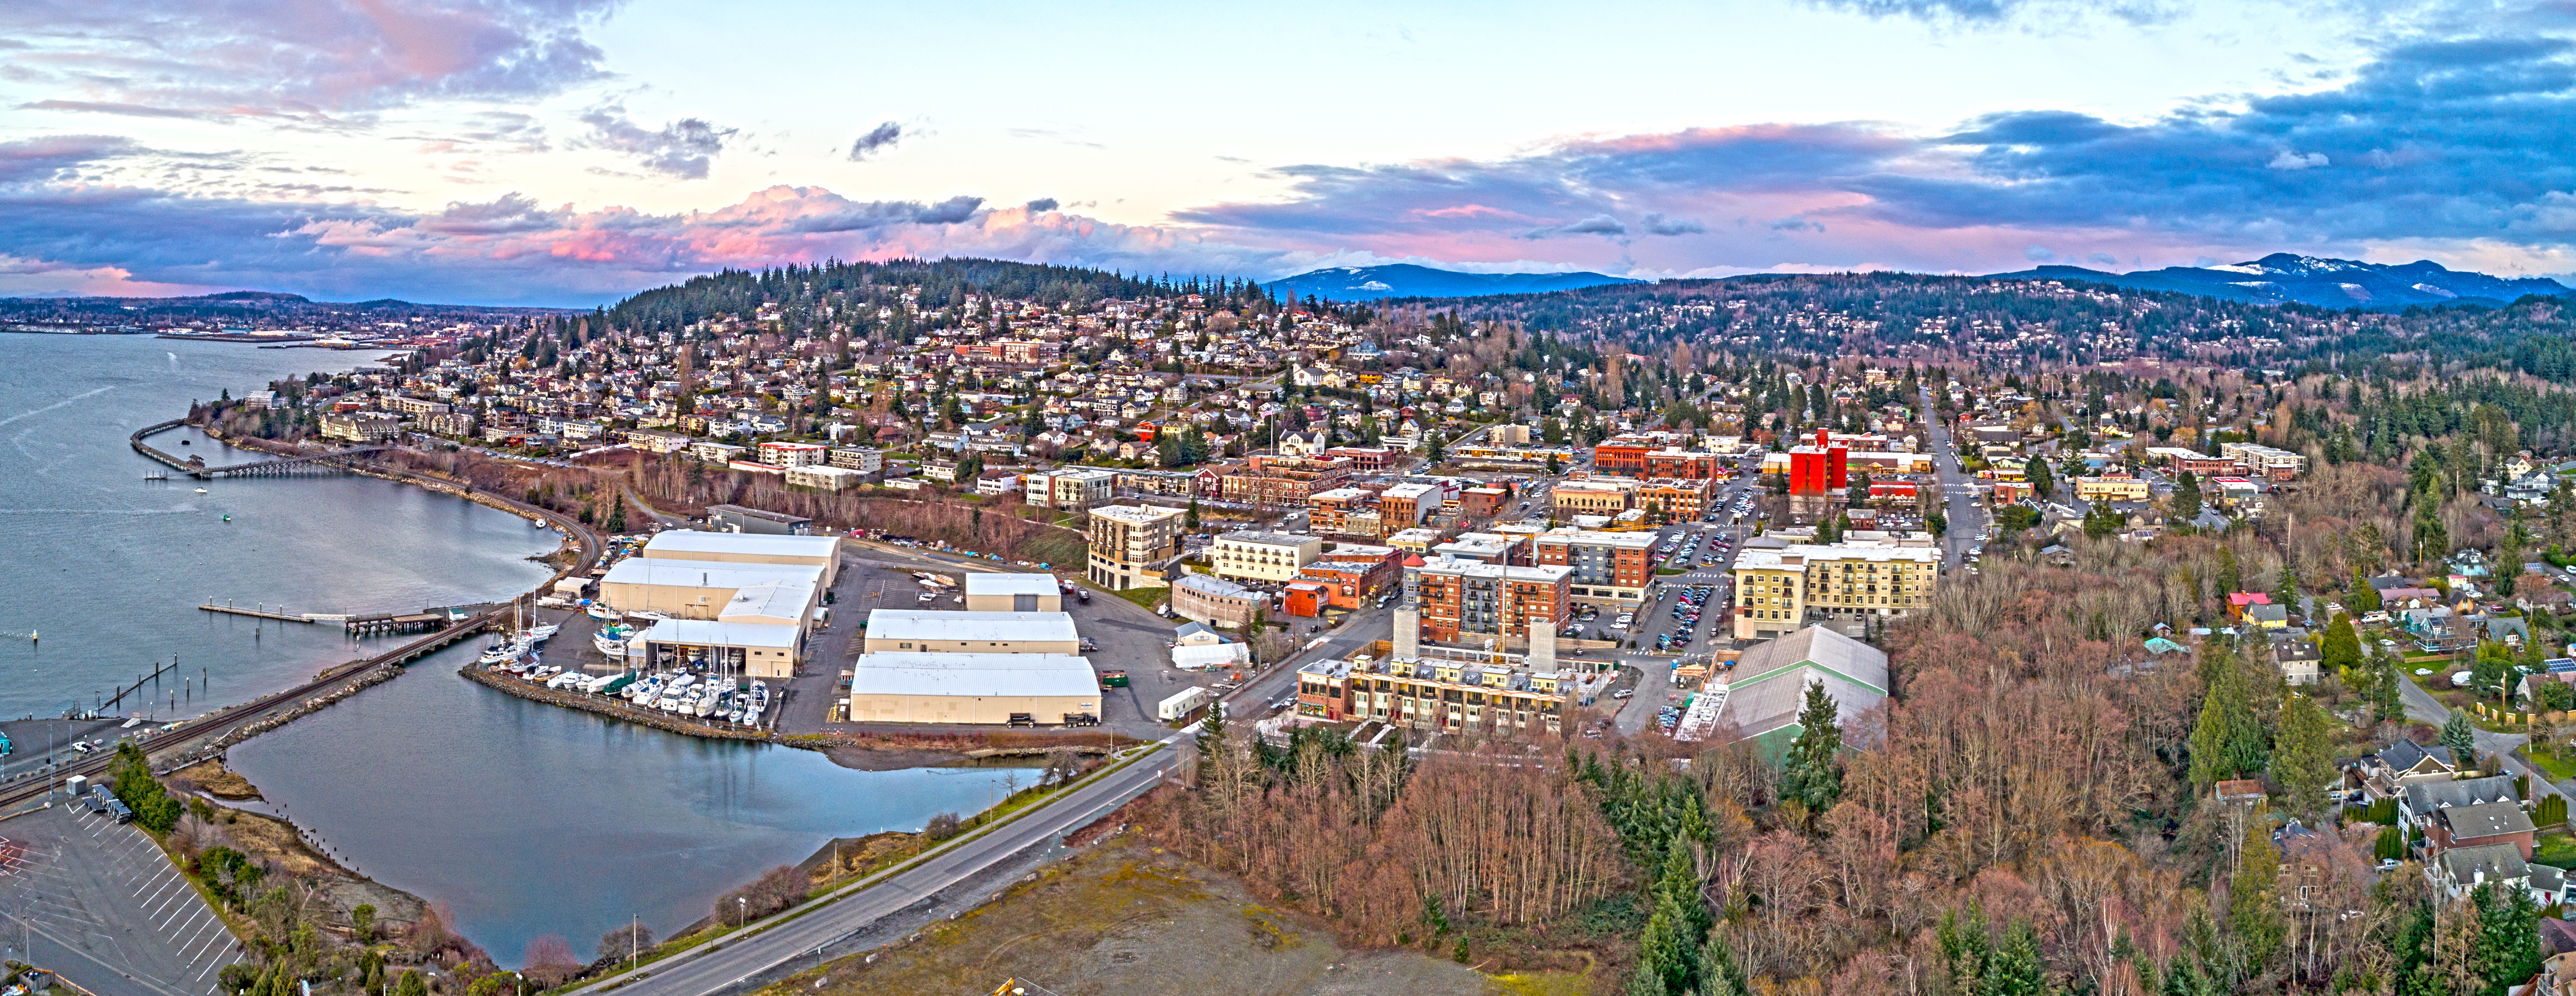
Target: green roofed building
1771,679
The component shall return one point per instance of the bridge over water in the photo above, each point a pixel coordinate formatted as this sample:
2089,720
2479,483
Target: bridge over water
195,466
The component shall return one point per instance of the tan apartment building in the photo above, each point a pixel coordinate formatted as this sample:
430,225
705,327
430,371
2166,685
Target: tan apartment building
1126,540
1779,589
2110,487
1262,556
1593,496
1449,696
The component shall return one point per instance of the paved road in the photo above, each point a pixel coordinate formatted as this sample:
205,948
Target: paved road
2422,707
704,973
1964,515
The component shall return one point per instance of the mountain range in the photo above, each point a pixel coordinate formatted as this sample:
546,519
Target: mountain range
1369,283
2281,278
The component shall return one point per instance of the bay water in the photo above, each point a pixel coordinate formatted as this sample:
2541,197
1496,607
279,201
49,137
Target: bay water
525,819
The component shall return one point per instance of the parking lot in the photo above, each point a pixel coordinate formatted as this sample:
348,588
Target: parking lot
97,902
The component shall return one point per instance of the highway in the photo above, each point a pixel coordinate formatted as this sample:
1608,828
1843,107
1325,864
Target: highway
800,932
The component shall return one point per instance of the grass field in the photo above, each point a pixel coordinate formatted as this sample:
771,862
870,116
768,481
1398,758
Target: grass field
1138,921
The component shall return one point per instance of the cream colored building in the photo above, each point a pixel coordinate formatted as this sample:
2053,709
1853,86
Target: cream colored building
1127,540
2110,487
935,631
972,688
1777,589
1009,592
1595,496
1262,556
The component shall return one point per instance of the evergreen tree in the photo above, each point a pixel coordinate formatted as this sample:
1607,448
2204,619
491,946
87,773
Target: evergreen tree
2461,738
2254,915
2015,968
2340,651
2364,597
2186,496
2041,484
2285,589
2508,947
2227,741
2229,582
2303,755
411,984
1812,772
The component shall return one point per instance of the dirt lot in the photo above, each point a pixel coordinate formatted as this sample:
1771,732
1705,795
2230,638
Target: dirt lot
1131,920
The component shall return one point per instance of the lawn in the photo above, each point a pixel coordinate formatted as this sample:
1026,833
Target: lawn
2557,850
2560,766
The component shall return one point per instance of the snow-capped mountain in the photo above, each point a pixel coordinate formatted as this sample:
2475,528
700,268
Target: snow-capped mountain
2332,283
1369,283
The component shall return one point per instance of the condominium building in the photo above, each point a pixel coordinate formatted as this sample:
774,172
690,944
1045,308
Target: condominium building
1070,488
1780,589
1448,696
1281,480
1608,568
778,454
1404,505
2110,487
1262,556
1127,540
2277,464
1465,599
863,459
1675,499
1593,496
1330,511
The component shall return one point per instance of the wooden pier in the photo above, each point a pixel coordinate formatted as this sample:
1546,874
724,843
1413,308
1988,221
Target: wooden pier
195,466
210,606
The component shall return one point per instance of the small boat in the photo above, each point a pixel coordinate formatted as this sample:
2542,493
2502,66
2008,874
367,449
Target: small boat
601,612
540,634
201,491
647,614
228,518
503,652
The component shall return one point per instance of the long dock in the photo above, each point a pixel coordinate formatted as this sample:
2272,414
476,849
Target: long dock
195,466
210,606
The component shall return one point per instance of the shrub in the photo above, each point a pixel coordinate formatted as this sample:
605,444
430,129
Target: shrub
942,826
777,889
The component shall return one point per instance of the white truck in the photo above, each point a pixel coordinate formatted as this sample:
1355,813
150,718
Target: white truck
1183,703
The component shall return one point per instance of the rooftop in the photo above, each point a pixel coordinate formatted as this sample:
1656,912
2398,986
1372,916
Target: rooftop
678,573
687,541
710,633
934,624
1137,513
998,675
1266,538
978,583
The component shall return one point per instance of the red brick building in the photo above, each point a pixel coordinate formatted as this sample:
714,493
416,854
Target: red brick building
1464,599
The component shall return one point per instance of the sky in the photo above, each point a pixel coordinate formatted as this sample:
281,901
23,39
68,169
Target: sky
571,152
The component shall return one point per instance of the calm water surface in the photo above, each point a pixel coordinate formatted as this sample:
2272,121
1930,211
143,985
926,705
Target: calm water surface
524,818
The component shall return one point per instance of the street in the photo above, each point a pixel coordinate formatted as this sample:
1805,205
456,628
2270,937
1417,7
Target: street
1957,491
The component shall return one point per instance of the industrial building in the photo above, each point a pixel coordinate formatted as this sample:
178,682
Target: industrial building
1041,688
737,519
1770,686
749,548
934,631
703,589
1013,593
754,650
